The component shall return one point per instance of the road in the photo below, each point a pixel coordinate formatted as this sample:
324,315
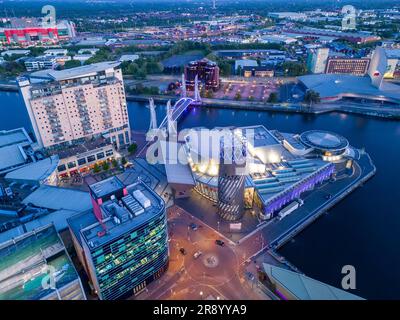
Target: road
217,273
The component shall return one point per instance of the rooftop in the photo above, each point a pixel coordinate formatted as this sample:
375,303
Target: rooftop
305,288
35,171
335,85
106,187
72,73
119,215
59,198
13,137
12,148
22,261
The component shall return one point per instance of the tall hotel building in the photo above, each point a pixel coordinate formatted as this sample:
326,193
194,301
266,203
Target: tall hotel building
67,106
123,242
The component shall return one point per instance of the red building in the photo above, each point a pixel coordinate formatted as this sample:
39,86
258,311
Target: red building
207,72
31,34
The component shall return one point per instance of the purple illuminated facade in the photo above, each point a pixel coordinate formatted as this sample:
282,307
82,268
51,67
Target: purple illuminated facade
279,201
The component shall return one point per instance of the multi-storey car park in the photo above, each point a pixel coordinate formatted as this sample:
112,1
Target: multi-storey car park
36,266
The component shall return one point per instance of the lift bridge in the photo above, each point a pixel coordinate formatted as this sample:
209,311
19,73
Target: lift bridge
173,112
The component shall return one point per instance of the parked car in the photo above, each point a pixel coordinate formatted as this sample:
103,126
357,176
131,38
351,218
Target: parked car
197,254
193,226
183,251
219,242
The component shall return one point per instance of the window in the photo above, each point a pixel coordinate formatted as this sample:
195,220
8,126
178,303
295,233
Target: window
100,155
71,164
91,158
81,161
109,152
61,168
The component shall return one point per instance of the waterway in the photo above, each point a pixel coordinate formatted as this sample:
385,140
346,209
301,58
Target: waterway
363,230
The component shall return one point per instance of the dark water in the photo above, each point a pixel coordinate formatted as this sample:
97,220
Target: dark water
363,230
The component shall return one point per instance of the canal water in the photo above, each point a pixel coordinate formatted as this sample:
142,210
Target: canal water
363,230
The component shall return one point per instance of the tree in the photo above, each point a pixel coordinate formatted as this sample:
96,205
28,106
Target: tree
72,64
238,96
273,97
311,97
225,68
96,168
209,94
124,161
294,69
132,148
105,166
114,163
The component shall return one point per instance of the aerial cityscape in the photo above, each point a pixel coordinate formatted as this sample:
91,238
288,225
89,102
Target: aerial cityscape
199,150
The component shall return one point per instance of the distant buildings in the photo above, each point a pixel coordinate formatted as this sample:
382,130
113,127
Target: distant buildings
128,57
371,88
277,38
257,71
206,71
122,243
36,266
288,15
317,60
342,65
354,37
17,52
240,64
30,31
66,107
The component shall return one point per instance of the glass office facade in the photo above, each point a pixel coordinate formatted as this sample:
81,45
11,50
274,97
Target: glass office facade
125,265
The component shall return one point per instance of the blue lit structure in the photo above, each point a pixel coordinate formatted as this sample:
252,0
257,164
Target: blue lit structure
294,191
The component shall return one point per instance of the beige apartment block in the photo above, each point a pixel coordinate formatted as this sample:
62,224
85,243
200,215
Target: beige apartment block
69,106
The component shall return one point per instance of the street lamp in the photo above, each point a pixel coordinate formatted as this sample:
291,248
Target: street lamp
201,295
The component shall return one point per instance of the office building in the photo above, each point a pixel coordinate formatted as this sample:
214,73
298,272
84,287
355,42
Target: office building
71,106
257,71
206,71
36,266
39,63
317,60
354,66
122,242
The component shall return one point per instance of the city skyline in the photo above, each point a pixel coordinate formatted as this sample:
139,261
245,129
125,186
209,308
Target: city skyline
199,150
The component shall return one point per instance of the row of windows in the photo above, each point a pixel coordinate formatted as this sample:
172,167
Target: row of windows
82,161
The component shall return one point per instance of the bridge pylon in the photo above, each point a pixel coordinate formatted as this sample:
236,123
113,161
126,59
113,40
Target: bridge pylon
183,91
197,96
153,117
